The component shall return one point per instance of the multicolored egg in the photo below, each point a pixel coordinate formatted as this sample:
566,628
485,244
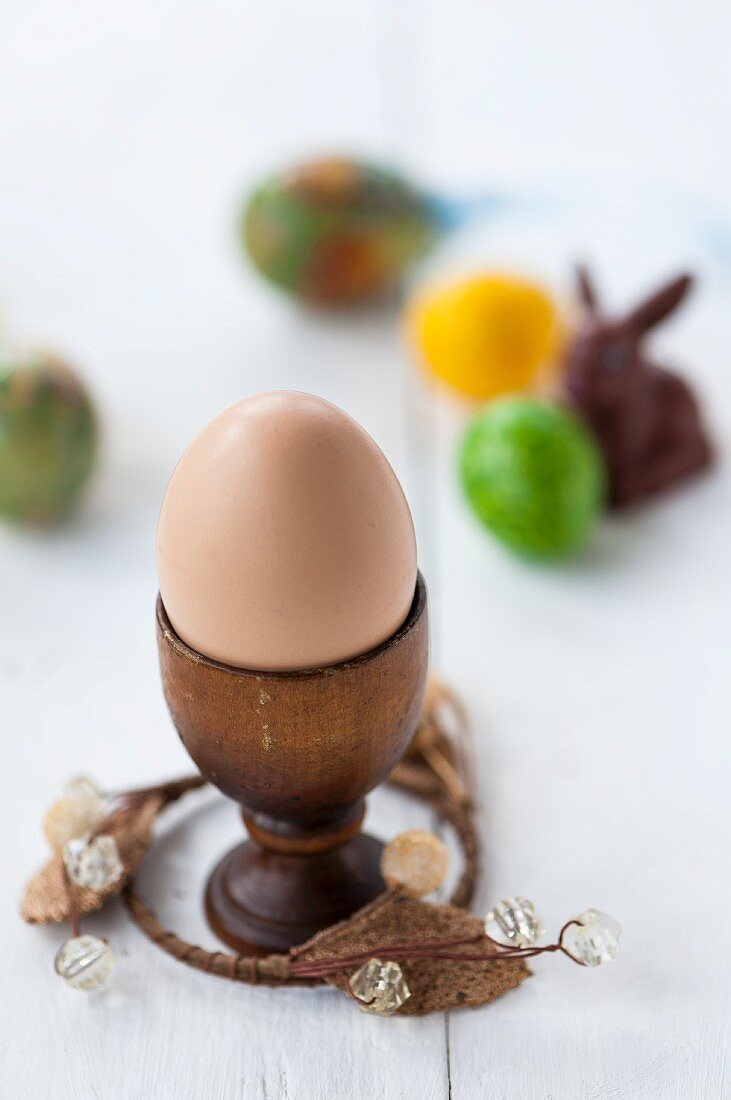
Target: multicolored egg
533,476
336,231
485,335
48,440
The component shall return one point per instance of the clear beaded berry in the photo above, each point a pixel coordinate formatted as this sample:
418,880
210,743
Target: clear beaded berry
416,861
380,987
514,922
93,862
68,819
79,811
592,939
85,962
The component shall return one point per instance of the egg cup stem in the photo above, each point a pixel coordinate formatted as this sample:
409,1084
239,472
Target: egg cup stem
258,901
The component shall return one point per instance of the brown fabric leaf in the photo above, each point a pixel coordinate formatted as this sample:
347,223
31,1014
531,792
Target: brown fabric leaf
435,984
46,896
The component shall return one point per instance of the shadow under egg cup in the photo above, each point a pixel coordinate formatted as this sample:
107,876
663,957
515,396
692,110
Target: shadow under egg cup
298,751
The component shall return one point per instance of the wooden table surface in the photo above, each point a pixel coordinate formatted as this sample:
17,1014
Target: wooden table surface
598,689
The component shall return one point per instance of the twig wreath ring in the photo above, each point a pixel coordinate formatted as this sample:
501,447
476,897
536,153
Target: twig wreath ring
398,954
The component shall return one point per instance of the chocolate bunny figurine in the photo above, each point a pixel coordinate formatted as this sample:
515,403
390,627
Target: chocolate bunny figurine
645,418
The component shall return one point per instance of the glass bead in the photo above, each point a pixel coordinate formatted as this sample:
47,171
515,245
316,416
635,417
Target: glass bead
70,818
594,939
416,860
380,987
83,789
93,862
85,962
514,922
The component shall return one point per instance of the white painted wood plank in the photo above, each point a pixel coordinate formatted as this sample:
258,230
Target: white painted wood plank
599,696
117,215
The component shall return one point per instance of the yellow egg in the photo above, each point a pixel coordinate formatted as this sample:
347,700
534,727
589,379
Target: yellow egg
484,335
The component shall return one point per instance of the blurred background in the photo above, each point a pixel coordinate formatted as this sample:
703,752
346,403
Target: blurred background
130,136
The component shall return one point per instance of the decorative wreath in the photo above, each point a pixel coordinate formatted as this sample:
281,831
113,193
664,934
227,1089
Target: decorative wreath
397,954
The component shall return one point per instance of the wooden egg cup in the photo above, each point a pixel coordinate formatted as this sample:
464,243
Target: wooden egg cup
298,751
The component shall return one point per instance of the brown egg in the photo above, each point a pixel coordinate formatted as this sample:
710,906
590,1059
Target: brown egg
285,540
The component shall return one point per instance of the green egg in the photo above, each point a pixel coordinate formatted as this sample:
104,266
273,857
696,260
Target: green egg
336,231
533,476
48,441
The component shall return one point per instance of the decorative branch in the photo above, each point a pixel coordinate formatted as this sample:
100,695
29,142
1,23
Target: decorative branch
88,869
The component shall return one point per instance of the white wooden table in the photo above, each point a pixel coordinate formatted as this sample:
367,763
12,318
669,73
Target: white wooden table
598,690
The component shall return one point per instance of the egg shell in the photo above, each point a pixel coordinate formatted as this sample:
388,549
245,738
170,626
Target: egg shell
533,475
335,231
48,440
485,335
285,541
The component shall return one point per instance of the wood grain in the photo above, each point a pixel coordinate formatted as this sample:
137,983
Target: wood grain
298,751
300,747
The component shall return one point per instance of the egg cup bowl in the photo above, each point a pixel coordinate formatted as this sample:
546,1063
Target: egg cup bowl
298,751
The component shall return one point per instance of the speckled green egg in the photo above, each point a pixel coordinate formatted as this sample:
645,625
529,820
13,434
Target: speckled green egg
533,476
48,440
336,231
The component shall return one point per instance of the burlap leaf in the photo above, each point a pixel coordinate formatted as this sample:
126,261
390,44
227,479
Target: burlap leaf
435,984
45,898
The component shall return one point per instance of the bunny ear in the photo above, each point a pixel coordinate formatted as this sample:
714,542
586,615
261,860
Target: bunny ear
659,305
586,288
